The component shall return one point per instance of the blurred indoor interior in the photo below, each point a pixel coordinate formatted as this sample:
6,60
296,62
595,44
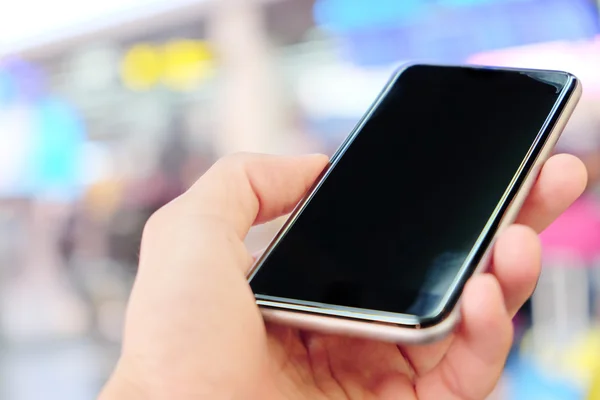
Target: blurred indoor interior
110,109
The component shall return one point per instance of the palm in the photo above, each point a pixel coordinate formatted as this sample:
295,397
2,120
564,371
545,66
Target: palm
315,366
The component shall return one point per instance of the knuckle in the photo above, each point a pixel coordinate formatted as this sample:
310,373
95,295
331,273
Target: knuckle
232,161
158,221
152,224
234,164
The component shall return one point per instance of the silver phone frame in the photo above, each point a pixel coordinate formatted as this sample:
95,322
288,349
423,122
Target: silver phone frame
377,327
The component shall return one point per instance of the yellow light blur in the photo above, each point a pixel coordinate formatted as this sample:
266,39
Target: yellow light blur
595,389
187,64
142,67
582,359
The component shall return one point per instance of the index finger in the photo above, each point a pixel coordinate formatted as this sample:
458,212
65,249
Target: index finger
562,180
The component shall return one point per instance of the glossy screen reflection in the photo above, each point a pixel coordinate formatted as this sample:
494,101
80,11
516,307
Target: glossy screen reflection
400,210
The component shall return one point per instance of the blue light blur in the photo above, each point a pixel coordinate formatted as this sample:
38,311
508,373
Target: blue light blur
528,382
348,15
58,136
380,32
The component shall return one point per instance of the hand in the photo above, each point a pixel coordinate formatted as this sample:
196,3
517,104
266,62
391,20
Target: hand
193,330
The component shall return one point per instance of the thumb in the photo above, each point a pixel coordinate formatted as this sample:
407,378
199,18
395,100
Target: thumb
245,189
209,222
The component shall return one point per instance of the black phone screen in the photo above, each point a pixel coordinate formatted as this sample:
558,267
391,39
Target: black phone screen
406,199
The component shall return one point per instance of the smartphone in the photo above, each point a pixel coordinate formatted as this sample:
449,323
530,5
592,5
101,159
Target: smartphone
411,203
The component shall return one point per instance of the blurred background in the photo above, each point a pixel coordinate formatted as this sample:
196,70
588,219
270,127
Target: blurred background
110,109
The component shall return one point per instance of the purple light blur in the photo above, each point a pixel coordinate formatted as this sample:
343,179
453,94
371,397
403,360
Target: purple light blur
7,87
27,80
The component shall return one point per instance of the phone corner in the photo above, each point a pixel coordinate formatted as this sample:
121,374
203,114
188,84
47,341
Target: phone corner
578,87
405,66
573,85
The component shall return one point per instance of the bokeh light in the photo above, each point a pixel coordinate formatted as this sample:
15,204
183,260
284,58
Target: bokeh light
26,80
7,87
187,63
141,67
59,137
380,32
94,68
347,15
30,80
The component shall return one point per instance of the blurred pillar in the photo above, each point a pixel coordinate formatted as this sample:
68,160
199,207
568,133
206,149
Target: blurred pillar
248,112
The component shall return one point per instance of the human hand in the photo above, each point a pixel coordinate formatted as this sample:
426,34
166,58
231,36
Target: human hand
193,330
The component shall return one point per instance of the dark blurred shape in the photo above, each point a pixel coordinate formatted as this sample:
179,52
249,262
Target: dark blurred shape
146,196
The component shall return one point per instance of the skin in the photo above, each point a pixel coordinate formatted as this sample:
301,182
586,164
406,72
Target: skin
193,330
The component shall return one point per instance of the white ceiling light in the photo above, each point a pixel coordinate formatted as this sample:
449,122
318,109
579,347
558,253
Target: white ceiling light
340,90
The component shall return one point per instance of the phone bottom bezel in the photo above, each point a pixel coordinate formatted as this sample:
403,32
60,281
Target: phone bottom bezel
380,331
